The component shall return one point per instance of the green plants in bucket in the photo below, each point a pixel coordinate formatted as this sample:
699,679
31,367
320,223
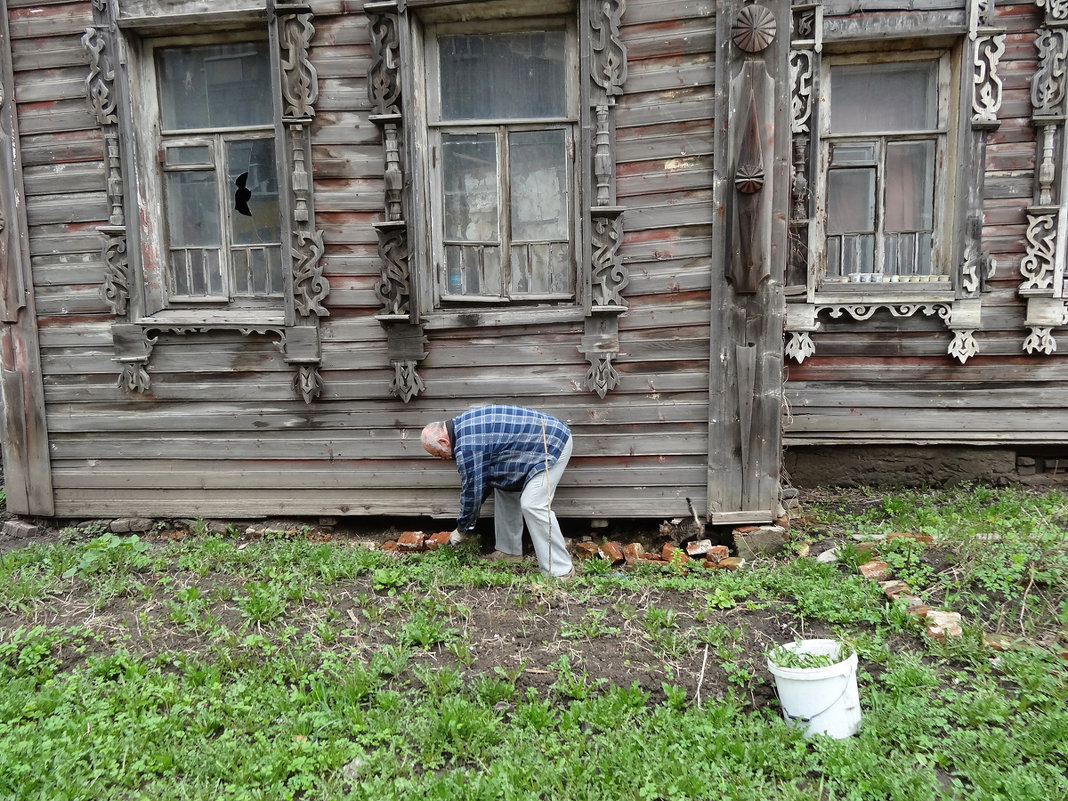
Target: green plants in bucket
817,686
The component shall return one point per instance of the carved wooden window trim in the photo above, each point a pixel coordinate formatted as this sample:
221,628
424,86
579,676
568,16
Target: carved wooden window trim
978,92
405,287
1045,279
140,314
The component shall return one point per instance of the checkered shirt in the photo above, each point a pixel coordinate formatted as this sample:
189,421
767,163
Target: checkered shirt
501,447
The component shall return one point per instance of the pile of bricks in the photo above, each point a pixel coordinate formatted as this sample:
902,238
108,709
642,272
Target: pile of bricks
696,553
416,541
939,623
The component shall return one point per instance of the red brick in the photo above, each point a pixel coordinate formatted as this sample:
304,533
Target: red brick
920,611
411,541
895,589
926,539
651,557
745,529
874,569
437,540
670,553
632,552
731,563
612,552
718,553
586,549
698,547
390,545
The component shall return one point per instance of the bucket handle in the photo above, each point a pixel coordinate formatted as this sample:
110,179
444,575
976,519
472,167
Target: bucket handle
845,688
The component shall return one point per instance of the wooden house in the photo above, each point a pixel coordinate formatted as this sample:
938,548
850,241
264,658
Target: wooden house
249,247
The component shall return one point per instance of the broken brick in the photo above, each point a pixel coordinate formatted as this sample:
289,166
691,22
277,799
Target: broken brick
895,589
919,610
731,563
670,553
874,569
942,624
651,557
389,545
612,552
633,552
926,539
867,550
437,540
411,541
718,553
698,547
587,549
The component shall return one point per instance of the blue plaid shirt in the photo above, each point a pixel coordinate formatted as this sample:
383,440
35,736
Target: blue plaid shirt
501,447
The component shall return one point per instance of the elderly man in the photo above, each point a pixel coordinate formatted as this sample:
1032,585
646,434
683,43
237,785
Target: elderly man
520,454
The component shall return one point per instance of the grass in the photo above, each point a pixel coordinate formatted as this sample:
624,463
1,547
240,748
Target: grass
284,668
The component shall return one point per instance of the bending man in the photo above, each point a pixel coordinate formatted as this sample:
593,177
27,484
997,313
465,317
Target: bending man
520,454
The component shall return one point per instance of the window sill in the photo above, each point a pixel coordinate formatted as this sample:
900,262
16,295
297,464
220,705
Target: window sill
475,318
941,291
214,318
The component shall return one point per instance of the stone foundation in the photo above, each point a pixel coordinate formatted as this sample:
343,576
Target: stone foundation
923,466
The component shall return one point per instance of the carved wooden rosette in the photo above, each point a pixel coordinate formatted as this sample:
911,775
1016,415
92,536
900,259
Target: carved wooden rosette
399,316
1044,279
608,276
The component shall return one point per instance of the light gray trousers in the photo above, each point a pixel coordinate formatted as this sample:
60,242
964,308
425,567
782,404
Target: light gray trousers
510,509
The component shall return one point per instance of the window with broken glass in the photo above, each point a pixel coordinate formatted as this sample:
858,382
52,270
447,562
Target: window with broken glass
884,146
501,129
220,210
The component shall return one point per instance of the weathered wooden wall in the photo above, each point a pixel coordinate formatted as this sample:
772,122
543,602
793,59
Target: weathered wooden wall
221,431
889,379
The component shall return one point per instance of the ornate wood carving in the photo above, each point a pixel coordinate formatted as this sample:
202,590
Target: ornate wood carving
394,287
116,288
799,345
308,382
406,383
749,264
99,84
394,176
1038,264
310,288
609,70
1047,85
300,82
601,377
609,277
753,29
383,84
1056,10
986,83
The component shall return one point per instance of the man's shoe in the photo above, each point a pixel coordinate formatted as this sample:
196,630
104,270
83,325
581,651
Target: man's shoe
501,556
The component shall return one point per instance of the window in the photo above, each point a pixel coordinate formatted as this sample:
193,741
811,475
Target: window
884,145
222,220
501,130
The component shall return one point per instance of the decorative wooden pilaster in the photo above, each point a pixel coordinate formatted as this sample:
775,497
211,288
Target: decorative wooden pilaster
405,338
752,198
1042,267
300,90
608,276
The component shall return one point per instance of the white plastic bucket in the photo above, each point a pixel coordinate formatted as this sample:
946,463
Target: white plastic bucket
824,700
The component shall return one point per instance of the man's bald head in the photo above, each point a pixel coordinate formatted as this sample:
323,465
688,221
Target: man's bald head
436,440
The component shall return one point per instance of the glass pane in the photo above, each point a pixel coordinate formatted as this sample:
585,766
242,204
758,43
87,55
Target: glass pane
538,165
909,186
503,76
853,153
256,218
188,155
850,201
192,209
884,97
214,86
469,177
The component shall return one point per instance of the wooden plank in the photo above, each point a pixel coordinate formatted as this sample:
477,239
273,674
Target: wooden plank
27,476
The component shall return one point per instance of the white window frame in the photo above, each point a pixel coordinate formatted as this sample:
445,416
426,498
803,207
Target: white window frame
824,291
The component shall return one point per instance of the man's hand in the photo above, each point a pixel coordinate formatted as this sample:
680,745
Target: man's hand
456,537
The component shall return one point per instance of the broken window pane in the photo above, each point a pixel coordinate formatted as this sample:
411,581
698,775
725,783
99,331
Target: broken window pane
469,172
